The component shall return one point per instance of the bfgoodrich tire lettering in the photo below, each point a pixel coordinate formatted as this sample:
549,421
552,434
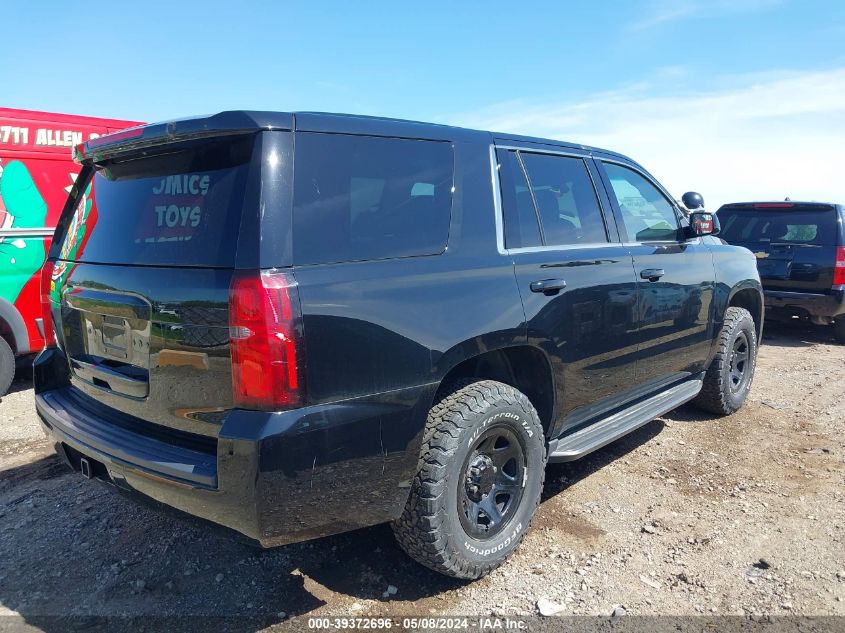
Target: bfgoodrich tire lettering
466,430
728,379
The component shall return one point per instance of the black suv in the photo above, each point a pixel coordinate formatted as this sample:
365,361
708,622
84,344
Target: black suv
800,250
299,324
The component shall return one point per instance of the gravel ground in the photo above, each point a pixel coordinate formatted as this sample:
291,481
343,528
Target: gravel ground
689,515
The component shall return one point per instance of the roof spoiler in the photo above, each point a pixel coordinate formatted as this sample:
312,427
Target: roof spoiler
103,148
750,206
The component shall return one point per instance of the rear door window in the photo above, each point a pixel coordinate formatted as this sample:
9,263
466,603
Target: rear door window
522,227
565,198
181,207
363,197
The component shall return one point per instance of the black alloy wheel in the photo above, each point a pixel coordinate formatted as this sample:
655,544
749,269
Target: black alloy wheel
481,470
738,361
492,485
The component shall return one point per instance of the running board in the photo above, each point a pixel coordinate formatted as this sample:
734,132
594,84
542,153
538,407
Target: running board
593,437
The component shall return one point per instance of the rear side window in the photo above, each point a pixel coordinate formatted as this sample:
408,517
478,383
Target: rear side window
520,216
363,197
565,198
806,225
647,214
182,207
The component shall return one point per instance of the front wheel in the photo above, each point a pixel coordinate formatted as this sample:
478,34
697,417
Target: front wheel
481,472
728,379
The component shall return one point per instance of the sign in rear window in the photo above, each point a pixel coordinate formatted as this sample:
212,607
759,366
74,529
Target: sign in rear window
179,208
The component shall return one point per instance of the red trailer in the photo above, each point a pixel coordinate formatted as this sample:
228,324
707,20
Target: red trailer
36,173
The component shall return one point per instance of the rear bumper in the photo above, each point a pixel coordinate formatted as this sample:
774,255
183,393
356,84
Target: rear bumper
810,304
275,478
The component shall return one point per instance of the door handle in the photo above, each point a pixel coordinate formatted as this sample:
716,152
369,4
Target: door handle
548,287
652,274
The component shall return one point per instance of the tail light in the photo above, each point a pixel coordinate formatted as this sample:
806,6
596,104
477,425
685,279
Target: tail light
46,308
265,332
839,267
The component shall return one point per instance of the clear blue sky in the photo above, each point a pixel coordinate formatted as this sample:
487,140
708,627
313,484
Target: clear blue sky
473,63
156,60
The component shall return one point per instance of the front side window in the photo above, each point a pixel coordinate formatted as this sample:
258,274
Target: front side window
363,197
647,214
566,201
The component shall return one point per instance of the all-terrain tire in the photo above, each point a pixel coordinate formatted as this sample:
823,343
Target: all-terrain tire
717,394
7,366
839,329
430,529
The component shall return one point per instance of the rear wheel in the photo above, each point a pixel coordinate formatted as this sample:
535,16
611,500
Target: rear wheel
7,366
480,476
728,379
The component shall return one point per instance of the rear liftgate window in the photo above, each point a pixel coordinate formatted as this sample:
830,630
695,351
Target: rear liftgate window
806,225
364,198
181,207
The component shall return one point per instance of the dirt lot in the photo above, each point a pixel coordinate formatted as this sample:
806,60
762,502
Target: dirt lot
742,515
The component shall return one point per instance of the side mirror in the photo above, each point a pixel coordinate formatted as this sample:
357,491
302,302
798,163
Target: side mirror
693,201
703,223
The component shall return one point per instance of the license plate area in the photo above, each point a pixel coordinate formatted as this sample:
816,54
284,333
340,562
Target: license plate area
107,340
115,334
774,268
776,262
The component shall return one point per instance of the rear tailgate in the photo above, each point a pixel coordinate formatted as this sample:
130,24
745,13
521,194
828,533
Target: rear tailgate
795,244
143,263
